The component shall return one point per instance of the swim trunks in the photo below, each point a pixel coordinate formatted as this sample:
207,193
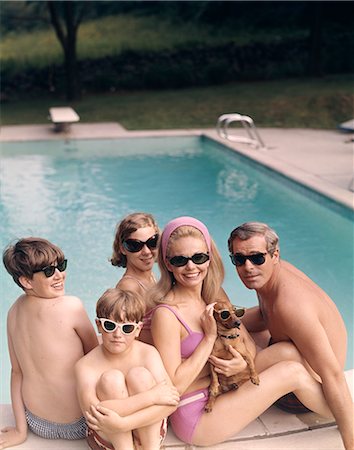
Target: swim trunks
51,430
186,417
96,442
289,402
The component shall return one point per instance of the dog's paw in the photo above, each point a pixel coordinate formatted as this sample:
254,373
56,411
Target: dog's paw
255,380
208,408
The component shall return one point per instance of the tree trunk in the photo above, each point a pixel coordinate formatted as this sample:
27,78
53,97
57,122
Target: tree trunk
68,43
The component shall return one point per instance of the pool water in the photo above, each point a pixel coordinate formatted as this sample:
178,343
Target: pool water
74,192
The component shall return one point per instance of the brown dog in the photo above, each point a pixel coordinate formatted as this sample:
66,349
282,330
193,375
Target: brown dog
229,333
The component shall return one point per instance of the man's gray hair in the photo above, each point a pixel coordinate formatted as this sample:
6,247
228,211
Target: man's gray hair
250,229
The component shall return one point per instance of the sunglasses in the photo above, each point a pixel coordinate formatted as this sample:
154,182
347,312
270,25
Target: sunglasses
257,259
49,270
197,258
238,310
109,326
134,245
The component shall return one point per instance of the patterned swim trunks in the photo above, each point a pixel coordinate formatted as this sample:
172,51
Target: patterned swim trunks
52,430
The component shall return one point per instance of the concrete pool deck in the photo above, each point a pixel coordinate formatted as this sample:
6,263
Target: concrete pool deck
320,159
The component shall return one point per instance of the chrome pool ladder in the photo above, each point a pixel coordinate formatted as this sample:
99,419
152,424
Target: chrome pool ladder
254,139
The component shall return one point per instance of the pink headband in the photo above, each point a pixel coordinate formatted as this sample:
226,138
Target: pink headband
180,222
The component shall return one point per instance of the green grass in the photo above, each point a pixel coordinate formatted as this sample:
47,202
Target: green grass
309,103
113,34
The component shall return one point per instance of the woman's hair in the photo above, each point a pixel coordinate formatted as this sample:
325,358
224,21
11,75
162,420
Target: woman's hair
212,282
28,255
250,229
124,229
121,306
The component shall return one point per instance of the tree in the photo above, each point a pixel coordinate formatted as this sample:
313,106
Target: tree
66,17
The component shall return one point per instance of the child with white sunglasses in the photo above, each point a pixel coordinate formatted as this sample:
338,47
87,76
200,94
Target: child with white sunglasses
124,377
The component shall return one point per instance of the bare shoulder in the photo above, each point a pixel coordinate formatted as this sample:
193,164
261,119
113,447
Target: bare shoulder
90,360
295,296
129,284
148,354
72,302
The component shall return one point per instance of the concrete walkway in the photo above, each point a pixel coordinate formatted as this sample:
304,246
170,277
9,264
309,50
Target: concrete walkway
320,159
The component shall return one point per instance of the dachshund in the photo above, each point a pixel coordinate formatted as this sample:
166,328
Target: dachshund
229,333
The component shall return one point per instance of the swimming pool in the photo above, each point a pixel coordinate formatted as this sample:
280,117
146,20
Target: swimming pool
74,192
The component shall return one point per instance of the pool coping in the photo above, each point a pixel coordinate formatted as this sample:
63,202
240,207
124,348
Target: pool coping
271,426
279,158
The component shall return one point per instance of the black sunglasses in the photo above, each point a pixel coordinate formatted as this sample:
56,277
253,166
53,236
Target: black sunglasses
197,258
134,245
238,259
49,270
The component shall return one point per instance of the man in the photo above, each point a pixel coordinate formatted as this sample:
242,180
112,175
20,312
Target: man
293,308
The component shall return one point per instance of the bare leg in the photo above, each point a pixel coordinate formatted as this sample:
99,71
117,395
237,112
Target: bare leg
249,401
281,351
138,380
110,386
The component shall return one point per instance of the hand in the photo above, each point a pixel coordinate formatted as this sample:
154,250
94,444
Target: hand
229,367
208,322
103,419
164,394
10,437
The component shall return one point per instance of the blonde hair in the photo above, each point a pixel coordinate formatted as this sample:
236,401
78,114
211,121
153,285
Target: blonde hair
212,282
124,229
120,306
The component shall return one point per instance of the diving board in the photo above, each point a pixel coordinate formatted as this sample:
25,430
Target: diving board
62,117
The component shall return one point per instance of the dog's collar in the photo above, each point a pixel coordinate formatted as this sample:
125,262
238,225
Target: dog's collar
229,336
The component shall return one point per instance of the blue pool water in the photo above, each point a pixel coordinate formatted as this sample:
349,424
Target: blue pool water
73,193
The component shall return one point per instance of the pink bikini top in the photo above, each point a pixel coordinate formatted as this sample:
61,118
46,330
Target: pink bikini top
188,344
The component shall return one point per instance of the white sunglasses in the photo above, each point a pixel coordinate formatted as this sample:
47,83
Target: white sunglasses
110,326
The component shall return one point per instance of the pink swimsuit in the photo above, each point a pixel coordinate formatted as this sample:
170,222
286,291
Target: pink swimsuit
191,406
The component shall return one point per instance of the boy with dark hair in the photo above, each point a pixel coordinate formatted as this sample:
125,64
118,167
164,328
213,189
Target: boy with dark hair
48,332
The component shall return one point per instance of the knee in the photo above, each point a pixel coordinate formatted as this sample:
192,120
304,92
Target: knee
288,351
296,373
111,384
139,379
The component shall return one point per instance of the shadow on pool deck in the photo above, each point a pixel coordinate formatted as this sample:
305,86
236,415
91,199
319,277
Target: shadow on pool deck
320,159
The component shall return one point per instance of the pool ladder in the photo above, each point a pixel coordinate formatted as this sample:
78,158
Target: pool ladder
254,139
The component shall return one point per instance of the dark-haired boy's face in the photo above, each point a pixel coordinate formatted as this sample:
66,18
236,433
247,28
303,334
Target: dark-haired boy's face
45,287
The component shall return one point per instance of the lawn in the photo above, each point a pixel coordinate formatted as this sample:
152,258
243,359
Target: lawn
309,103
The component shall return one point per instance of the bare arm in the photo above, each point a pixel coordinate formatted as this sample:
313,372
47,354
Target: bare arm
84,327
311,339
149,407
86,389
15,435
253,320
166,332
